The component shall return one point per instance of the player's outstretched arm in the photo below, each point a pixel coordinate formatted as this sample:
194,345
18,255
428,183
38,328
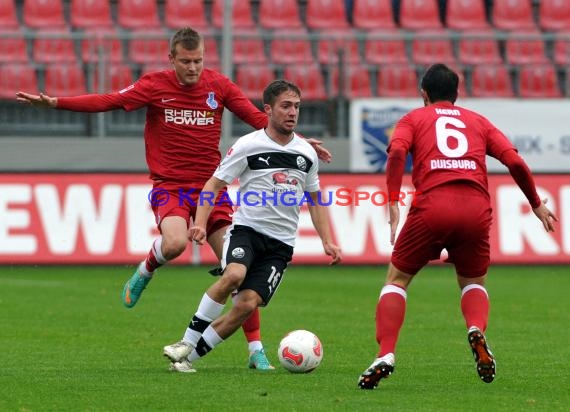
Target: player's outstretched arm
320,220
41,100
197,232
521,174
545,216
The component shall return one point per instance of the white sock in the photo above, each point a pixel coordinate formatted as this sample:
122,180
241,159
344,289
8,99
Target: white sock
212,339
389,358
254,345
208,310
157,249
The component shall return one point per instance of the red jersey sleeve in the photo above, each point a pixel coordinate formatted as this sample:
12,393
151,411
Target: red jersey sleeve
398,148
501,148
395,167
242,107
497,142
521,175
130,98
403,134
90,103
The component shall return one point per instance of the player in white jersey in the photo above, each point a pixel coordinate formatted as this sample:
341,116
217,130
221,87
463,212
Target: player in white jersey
272,176
277,172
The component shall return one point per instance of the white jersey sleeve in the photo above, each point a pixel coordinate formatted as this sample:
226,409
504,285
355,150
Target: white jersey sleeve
312,183
234,163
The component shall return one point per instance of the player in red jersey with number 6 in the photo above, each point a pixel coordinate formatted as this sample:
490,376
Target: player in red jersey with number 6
182,135
452,210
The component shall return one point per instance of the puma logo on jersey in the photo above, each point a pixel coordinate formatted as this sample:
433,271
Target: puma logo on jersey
266,161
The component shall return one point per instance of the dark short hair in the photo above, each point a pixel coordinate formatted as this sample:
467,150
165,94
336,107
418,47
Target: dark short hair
188,38
275,88
440,83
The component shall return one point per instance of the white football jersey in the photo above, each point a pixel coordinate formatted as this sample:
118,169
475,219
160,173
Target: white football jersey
274,180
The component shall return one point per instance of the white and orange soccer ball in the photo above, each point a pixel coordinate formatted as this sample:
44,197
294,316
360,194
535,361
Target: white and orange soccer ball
300,351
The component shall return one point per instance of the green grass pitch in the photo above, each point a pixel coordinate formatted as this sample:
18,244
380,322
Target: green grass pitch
68,344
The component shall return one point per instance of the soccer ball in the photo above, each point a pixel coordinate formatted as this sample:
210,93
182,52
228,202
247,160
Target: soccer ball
300,351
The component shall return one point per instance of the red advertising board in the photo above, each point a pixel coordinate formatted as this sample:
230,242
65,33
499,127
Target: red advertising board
106,218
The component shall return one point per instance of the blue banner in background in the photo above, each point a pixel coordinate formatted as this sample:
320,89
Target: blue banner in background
538,128
377,128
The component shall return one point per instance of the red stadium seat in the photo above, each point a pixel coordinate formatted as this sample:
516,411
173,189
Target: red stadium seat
116,77
248,47
185,13
397,81
8,16
461,88
465,15
432,46
13,47
87,14
64,80
148,46
373,14
478,47
253,78
138,14
513,15
309,78
538,81
54,46
211,50
491,80
385,47
43,14
290,46
326,14
17,77
101,43
554,15
241,14
333,42
561,48
419,15
356,82
525,47
279,14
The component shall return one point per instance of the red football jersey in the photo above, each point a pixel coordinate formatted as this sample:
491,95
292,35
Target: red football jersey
183,123
448,143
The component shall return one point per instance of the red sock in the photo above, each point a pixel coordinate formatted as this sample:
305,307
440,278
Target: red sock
390,312
154,259
251,326
475,306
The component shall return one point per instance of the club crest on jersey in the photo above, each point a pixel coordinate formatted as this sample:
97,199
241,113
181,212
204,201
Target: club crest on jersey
211,101
301,163
238,253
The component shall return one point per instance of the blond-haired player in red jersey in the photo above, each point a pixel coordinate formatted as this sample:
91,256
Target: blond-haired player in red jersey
452,210
182,135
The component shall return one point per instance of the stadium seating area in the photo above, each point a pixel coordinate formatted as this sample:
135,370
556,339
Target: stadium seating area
379,46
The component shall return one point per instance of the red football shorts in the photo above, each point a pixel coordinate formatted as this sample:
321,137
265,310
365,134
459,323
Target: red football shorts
456,217
172,199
